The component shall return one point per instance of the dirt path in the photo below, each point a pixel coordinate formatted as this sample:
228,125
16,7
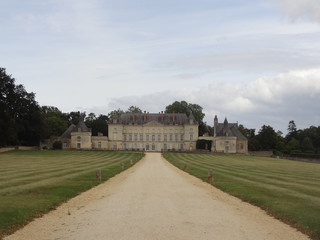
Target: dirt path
154,200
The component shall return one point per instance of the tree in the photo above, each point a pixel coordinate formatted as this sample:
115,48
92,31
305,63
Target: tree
20,115
189,108
75,117
54,121
292,146
292,130
134,109
268,138
307,145
115,114
98,124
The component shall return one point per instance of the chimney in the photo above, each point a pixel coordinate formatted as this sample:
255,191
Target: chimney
145,116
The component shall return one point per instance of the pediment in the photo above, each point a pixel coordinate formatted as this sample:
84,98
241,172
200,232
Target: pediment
153,123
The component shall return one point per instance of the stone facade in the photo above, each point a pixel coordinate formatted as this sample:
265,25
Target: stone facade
153,132
80,137
227,138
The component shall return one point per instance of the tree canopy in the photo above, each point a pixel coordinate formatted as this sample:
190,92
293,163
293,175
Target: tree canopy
189,108
20,115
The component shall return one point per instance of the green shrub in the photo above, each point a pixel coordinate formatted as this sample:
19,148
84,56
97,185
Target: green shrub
204,144
57,145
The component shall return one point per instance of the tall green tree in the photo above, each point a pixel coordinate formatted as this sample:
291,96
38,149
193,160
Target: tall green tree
20,114
189,108
97,124
54,121
268,138
134,109
115,114
75,117
292,131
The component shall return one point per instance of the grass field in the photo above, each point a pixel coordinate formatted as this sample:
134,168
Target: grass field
288,190
34,182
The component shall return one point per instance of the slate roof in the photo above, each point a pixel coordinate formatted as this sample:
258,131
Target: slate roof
229,129
161,118
82,127
75,128
67,133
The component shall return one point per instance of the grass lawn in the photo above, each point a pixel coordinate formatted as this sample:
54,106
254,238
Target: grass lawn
288,190
34,182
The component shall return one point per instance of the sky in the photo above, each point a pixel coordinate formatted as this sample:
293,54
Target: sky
256,62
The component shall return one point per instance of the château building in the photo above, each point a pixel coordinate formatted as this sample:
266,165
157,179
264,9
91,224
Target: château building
227,138
153,132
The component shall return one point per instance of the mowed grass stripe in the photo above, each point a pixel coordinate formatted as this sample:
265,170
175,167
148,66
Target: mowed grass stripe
288,190
33,182
44,168
269,180
14,183
283,179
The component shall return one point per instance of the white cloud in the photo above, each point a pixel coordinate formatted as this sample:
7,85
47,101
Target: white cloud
307,9
272,100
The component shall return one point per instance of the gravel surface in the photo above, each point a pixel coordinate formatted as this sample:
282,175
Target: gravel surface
155,200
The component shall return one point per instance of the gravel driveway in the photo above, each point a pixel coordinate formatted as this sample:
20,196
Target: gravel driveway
154,200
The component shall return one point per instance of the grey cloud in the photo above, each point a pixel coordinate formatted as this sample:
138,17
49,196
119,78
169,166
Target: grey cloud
307,9
271,100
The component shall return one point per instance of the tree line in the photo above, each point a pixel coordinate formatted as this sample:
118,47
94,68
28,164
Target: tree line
297,142
24,122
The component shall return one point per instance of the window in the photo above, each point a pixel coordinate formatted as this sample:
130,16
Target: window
79,138
147,147
191,130
99,144
153,147
181,137
130,137
165,137
170,137
177,137
147,137
124,137
153,137
141,137
191,137
78,145
165,147
136,137
159,137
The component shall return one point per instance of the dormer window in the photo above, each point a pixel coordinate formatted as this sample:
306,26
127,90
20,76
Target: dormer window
79,129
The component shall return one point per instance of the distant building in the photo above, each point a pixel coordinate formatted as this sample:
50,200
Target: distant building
80,137
227,138
153,132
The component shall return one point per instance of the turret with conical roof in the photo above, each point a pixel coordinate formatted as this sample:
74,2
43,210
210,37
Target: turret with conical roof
215,125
